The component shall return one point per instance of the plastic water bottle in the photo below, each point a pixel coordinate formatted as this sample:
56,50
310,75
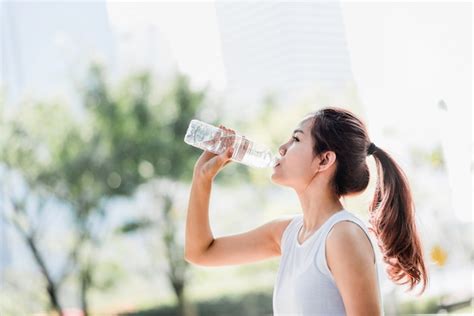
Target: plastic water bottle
216,140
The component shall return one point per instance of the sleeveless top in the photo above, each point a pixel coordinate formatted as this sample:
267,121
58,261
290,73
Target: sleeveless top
304,284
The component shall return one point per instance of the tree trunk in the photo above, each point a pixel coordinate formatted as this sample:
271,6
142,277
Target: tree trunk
181,302
176,262
51,287
85,284
185,308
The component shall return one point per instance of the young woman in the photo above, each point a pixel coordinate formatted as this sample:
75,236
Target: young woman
328,265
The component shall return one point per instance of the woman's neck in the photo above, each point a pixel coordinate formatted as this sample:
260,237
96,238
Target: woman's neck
317,208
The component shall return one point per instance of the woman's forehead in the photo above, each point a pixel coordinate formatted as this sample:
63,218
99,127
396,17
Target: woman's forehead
305,123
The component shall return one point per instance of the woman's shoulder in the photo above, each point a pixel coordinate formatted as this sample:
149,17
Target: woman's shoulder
349,234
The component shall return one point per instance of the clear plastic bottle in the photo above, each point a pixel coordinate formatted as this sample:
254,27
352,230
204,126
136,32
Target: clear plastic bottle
216,140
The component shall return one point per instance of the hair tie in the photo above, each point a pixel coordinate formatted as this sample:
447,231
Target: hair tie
371,149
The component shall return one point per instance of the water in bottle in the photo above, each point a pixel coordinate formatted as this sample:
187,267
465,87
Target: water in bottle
216,140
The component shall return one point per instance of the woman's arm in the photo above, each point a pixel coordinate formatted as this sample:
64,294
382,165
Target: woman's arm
198,231
203,249
351,259
200,245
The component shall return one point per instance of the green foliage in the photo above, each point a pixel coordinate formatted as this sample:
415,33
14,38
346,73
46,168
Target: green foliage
135,225
125,139
436,158
250,304
426,306
126,136
143,137
433,157
107,275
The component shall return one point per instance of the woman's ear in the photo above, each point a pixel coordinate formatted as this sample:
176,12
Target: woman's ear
327,160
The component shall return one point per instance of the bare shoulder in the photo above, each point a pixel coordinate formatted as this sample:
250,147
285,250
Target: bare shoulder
351,259
347,239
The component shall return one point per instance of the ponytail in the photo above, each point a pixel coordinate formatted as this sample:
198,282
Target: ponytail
392,212
392,217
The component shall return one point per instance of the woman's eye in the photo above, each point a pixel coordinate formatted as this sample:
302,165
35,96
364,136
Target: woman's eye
295,138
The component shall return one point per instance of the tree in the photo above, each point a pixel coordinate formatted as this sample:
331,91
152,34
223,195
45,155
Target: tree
21,151
142,138
126,137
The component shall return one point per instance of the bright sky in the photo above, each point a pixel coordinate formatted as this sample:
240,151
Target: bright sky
416,56
190,28
405,56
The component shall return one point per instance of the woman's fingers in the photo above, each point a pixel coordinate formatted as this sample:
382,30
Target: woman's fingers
217,163
229,142
209,164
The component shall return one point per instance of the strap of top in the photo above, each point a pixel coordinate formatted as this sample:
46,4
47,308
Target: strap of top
321,255
292,226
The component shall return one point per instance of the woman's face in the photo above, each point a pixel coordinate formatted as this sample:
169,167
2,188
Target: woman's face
297,166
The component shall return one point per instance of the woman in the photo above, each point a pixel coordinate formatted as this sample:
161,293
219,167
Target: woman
328,264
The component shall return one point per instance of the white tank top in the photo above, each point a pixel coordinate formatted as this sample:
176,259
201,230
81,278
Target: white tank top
304,284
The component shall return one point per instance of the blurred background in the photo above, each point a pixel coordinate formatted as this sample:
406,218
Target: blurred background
95,100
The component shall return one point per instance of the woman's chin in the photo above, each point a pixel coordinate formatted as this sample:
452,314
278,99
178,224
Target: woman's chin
275,178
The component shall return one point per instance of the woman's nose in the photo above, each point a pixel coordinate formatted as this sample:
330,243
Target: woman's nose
282,150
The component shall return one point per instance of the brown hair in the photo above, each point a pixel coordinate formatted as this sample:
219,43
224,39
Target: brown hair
392,211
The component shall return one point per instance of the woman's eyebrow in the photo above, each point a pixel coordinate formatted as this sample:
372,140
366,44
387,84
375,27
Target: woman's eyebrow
298,130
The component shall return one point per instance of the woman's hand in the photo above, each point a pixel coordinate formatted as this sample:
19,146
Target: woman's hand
209,164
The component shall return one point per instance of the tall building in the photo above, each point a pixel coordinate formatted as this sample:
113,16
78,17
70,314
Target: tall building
43,45
285,47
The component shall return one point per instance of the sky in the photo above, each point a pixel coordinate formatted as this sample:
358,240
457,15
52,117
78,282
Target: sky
406,57
427,46
199,56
